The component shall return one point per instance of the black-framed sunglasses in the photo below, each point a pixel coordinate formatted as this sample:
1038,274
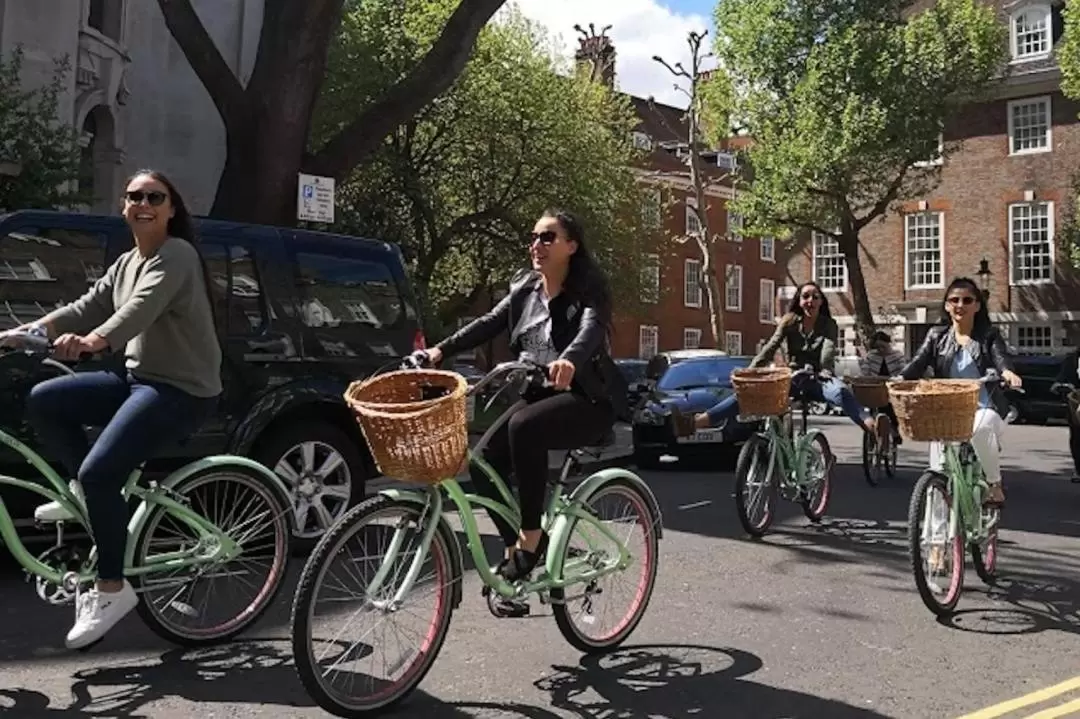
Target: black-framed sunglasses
961,300
811,296
546,237
153,197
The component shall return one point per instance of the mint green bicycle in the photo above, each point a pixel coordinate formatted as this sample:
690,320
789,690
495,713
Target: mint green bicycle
371,560
798,463
222,517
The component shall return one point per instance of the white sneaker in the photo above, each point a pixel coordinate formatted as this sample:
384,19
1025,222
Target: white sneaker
98,612
54,511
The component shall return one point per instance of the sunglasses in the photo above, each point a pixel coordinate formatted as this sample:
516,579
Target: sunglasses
153,197
811,296
546,237
965,300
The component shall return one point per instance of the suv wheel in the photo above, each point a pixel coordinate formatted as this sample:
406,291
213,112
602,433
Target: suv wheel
323,469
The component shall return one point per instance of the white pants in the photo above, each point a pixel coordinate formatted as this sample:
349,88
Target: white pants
986,441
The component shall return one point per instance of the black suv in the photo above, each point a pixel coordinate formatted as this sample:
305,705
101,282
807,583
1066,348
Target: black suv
301,314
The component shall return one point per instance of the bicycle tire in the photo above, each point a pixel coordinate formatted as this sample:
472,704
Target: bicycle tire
869,458
817,512
310,579
916,510
986,561
268,593
561,611
757,447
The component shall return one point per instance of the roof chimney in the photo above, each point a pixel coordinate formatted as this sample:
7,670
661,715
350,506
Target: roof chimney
596,54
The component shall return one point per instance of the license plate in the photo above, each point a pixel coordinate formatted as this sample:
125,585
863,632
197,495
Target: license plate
703,436
470,408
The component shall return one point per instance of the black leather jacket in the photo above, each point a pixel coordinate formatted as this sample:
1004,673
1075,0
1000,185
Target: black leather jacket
938,351
578,333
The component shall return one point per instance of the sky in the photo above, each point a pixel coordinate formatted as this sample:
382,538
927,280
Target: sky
640,29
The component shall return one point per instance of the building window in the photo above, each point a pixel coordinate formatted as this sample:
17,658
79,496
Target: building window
1030,33
830,269
1031,243
1034,339
347,293
768,248
651,210
1029,126
735,226
692,283
733,288
642,141
107,17
733,343
937,156
693,222
650,279
767,303
922,250
648,341
691,338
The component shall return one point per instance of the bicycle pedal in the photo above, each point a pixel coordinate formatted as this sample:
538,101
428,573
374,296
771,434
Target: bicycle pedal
502,609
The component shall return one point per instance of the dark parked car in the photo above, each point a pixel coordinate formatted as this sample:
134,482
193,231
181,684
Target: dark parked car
1037,404
692,381
633,371
301,314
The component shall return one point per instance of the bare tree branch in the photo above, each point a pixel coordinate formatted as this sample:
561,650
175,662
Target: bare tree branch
882,205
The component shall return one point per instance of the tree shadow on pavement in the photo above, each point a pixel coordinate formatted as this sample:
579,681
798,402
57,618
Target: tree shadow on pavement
681,681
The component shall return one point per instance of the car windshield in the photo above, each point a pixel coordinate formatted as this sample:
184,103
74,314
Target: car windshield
632,371
698,373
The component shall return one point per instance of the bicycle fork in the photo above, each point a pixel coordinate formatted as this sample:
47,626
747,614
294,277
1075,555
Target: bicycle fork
429,520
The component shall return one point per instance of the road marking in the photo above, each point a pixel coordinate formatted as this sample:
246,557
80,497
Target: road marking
695,505
1036,697
1064,710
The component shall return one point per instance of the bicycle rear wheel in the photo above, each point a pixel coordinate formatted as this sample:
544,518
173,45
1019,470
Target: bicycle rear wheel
937,560
871,460
181,605
819,466
631,520
360,541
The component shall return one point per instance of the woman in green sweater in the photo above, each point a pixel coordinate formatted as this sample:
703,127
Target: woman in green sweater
153,304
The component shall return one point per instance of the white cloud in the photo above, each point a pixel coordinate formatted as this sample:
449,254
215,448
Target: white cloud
640,29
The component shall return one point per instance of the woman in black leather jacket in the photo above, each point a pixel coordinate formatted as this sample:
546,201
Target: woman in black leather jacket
558,314
965,346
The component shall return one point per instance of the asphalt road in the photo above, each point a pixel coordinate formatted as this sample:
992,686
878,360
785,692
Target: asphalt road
819,622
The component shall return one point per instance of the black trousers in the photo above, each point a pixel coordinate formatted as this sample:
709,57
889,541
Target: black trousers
1074,433
564,420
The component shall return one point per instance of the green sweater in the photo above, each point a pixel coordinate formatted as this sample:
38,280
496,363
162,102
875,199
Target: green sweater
157,309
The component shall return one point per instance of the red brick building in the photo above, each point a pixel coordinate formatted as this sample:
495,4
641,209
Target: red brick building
1004,196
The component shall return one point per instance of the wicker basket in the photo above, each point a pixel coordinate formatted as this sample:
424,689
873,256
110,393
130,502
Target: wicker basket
870,391
762,392
412,438
935,410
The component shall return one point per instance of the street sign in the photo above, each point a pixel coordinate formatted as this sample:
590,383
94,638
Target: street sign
315,199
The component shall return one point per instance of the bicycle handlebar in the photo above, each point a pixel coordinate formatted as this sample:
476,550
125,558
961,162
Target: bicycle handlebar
32,343
530,373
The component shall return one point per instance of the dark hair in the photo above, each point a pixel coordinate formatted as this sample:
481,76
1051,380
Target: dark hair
880,336
585,281
795,307
181,226
982,317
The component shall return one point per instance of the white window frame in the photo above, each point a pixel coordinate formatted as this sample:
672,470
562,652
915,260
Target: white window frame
909,279
641,140
1050,241
650,279
815,254
733,337
1049,125
691,290
939,154
1034,348
648,335
693,222
691,338
767,301
770,242
653,212
1048,25
733,275
734,226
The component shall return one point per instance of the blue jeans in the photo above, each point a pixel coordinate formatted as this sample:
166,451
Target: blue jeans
139,418
831,391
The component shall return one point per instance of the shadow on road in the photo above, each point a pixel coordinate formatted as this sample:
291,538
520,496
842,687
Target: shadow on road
681,681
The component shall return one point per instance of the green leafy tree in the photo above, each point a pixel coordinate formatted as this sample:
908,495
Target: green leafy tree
845,102
1068,58
460,184
39,154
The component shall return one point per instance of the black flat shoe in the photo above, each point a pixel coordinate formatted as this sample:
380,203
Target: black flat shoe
522,562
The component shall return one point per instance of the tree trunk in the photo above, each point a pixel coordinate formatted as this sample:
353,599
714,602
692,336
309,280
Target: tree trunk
864,316
714,292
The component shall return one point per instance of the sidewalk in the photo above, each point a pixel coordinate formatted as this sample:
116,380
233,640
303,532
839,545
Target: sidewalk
616,455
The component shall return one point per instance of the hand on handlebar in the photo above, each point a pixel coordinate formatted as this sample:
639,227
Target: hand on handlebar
561,373
72,347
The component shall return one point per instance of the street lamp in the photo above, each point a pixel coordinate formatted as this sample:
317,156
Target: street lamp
984,278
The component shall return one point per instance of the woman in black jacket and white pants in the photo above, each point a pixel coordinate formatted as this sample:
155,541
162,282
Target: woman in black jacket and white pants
557,314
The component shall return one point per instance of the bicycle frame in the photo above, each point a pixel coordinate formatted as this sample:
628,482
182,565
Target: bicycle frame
789,453
966,487
213,545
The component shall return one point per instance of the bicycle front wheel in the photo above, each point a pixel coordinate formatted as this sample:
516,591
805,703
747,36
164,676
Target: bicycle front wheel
937,559
755,490
602,613
374,668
